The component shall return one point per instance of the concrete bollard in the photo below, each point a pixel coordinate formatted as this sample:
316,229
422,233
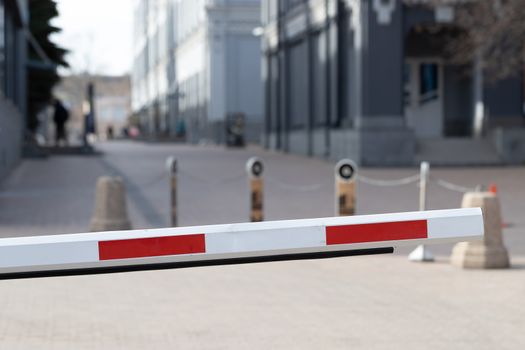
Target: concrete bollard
171,164
110,206
345,174
254,168
490,253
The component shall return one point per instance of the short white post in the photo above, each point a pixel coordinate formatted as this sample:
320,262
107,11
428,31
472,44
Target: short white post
421,253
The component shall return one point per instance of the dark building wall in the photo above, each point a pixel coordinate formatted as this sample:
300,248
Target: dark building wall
458,113
14,53
12,82
334,87
319,79
416,15
298,78
272,92
302,85
283,100
504,99
382,65
322,91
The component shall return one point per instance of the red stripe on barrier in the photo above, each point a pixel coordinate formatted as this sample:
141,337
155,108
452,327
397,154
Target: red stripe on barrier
149,247
390,231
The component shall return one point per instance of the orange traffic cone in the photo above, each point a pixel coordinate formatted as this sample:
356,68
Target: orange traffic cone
493,188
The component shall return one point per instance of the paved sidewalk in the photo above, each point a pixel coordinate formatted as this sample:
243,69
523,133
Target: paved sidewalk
57,195
346,303
379,302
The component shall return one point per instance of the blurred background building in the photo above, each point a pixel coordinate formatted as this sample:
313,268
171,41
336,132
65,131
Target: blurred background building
112,104
196,62
369,80
13,58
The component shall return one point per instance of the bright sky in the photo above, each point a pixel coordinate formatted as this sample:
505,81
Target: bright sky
98,33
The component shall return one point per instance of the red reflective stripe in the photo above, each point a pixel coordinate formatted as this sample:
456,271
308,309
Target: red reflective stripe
148,247
390,231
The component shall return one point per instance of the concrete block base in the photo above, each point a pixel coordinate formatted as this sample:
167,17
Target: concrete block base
476,255
110,206
491,252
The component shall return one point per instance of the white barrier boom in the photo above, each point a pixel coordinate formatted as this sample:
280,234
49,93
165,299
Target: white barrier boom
105,252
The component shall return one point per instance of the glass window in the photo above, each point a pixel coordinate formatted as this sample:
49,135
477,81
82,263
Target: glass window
428,82
407,83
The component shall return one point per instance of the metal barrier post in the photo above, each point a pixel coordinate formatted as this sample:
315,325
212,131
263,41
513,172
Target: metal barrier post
254,168
345,174
421,253
172,168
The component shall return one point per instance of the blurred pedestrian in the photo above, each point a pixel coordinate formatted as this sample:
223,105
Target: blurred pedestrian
134,132
60,118
89,123
109,132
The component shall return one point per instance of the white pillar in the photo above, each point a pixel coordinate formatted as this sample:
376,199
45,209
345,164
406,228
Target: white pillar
479,105
421,253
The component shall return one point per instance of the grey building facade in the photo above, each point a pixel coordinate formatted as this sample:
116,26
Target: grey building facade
367,80
197,61
13,53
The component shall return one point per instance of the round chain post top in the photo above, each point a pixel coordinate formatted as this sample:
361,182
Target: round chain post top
346,170
254,167
171,165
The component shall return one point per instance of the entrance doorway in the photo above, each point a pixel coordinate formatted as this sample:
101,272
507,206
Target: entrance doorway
423,96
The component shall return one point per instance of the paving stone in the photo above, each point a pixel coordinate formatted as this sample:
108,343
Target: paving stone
376,302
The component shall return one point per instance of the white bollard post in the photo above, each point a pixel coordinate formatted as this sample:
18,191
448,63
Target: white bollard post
421,253
424,173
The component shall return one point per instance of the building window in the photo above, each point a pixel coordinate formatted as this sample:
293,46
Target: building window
407,83
2,46
428,82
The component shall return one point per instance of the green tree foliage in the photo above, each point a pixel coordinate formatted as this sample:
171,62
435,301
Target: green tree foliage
42,73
